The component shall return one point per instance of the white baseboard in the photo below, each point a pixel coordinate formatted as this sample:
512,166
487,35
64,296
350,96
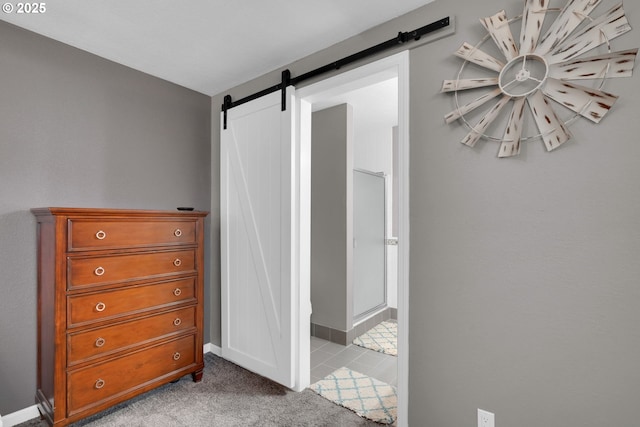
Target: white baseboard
210,348
20,416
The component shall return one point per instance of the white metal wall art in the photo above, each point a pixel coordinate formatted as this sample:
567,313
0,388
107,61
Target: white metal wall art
541,70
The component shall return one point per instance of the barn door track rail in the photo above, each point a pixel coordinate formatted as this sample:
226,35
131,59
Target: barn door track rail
287,80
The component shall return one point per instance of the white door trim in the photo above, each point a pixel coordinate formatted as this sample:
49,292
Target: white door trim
366,75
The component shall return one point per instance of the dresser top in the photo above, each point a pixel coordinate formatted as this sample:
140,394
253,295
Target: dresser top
102,212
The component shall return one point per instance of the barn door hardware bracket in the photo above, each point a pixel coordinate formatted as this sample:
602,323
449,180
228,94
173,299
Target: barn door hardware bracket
286,81
225,107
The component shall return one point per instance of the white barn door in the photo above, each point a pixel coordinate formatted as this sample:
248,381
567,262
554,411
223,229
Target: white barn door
257,237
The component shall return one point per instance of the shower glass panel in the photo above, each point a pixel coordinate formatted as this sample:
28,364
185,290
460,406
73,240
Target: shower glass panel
369,250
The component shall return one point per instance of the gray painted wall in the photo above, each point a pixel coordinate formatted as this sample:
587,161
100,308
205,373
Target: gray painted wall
331,212
77,130
524,272
524,288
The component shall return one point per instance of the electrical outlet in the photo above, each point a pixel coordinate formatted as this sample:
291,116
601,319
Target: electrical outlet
486,419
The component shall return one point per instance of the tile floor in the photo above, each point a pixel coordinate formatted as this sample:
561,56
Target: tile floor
327,356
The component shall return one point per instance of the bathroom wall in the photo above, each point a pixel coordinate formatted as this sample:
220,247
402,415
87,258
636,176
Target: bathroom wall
331,212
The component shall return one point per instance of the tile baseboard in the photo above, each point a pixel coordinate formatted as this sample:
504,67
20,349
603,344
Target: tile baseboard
346,337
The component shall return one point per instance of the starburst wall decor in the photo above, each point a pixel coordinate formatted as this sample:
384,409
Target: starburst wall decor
540,69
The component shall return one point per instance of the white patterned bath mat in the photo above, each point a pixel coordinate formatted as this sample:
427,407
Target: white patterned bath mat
382,338
366,396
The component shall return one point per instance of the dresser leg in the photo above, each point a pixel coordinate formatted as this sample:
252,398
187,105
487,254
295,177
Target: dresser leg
197,376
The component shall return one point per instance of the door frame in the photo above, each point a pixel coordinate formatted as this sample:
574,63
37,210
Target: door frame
394,65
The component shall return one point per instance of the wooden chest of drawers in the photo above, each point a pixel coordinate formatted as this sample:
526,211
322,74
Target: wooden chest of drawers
120,306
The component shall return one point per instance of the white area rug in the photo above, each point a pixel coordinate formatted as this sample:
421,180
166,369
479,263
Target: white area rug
366,396
382,338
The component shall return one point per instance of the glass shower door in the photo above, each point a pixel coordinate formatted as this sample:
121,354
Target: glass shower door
369,236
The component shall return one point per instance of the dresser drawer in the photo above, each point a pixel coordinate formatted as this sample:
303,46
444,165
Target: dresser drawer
88,271
98,383
96,342
103,305
85,234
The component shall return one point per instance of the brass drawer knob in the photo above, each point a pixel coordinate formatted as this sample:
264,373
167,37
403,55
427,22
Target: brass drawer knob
99,384
176,356
177,233
177,322
177,262
100,306
177,292
100,342
100,235
99,271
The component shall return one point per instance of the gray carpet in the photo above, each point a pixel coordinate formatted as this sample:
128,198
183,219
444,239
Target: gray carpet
227,396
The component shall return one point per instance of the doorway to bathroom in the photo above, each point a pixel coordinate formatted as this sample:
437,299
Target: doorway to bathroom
353,262
345,166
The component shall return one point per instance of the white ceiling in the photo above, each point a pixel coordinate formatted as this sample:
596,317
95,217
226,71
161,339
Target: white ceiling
208,45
